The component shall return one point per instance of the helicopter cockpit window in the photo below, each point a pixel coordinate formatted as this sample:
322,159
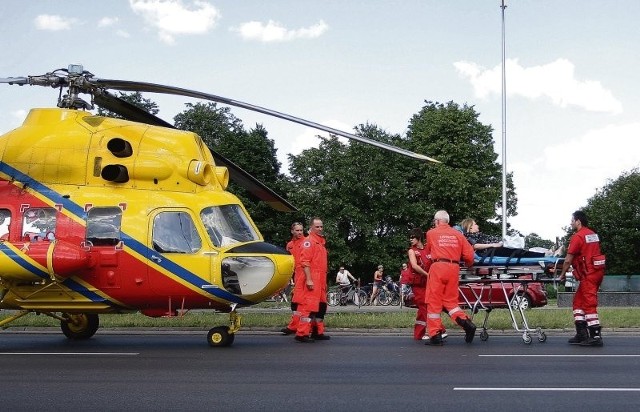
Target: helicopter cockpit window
227,225
39,224
174,232
103,226
5,221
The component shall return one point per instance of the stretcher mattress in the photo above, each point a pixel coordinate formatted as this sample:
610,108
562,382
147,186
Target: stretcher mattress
512,257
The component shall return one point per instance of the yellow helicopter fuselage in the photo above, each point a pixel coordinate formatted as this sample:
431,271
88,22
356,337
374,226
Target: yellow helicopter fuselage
107,215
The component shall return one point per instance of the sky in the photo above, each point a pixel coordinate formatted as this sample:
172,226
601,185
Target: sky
572,105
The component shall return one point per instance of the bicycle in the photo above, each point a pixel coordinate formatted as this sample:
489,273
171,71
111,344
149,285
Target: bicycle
337,296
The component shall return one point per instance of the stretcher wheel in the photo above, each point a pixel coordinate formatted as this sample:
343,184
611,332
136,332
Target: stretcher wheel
484,335
526,338
542,337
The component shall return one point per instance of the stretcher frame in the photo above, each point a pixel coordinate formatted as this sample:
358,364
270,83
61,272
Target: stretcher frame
499,276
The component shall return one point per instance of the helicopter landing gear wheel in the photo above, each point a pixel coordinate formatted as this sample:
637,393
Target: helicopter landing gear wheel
219,337
79,326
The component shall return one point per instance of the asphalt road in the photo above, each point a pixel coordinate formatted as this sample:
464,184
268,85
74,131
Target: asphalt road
264,371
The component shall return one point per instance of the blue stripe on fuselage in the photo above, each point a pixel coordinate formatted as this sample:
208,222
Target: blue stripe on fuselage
135,245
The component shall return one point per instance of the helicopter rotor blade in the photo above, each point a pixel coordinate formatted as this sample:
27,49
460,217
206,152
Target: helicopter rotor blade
127,110
238,175
15,80
158,88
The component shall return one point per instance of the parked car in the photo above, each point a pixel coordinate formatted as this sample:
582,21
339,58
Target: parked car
492,295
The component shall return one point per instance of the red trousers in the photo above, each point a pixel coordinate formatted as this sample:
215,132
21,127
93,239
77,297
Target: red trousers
420,326
585,301
442,293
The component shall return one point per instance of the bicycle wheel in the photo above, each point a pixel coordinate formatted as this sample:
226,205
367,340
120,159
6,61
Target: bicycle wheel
384,297
395,299
333,298
360,298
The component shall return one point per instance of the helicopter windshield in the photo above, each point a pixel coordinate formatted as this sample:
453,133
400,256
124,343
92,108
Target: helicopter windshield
227,225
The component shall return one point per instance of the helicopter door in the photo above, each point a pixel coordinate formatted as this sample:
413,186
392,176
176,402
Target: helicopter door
105,244
176,249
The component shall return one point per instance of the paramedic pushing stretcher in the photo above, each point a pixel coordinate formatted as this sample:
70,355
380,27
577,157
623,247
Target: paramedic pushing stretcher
588,268
447,248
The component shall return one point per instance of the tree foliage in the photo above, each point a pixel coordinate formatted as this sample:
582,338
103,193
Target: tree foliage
614,213
534,240
370,198
469,182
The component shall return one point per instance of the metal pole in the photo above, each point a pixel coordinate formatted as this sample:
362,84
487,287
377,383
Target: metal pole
504,131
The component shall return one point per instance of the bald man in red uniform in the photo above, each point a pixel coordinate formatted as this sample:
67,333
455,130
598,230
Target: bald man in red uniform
447,248
314,261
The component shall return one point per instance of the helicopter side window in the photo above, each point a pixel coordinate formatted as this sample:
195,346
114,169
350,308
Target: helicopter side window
103,225
174,232
5,221
39,224
227,225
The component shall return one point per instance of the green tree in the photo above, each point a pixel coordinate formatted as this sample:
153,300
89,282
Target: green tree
534,240
370,198
469,182
614,213
253,151
136,99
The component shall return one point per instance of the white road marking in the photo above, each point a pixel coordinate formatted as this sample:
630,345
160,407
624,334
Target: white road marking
560,356
551,389
73,353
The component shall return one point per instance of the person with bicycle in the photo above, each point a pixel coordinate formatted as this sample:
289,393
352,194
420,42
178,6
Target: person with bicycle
377,283
343,279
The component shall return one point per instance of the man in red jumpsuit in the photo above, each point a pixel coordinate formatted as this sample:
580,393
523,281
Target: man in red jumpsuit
588,268
418,268
313,259
294,247
447,248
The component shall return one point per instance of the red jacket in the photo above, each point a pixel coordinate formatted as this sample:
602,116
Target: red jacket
585,248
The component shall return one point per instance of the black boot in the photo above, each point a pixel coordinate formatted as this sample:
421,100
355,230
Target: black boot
581,333
594,338
469,329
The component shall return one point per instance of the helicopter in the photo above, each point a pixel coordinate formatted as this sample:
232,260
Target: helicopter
107,215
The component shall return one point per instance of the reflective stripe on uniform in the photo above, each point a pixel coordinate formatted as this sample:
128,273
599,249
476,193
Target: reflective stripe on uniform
454,310
592,319
421,323
433,315
305,319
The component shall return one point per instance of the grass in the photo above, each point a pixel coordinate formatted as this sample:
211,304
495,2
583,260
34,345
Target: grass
547,318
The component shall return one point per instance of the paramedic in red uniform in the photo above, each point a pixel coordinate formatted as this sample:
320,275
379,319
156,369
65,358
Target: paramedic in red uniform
418,272
447,248
294,247
588,268
313,259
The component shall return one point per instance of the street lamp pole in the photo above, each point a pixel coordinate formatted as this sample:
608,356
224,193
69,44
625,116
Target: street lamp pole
504,130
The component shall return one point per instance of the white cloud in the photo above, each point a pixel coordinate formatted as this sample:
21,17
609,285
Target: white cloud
173,17
122,33
275,32
17,117
560,181
108,21
53,22
555,81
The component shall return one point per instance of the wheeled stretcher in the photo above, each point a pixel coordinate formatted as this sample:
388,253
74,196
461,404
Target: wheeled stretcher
501,282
